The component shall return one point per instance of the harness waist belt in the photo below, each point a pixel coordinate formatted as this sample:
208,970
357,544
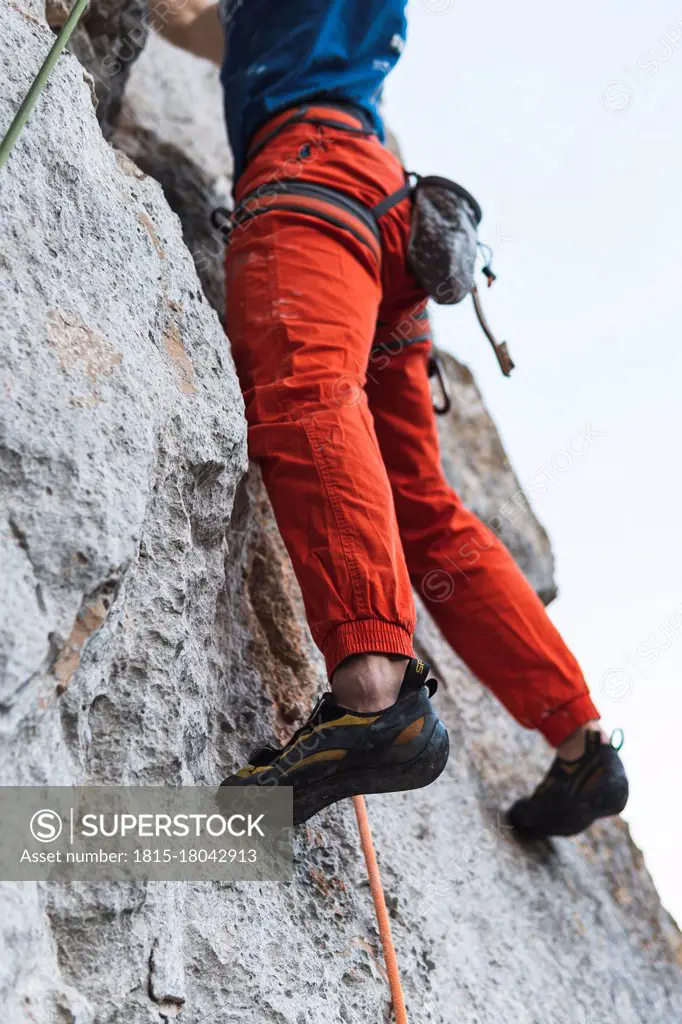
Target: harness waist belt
328,114
322,201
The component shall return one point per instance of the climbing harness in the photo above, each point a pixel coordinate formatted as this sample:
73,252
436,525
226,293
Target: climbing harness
377,890
31,98
443,244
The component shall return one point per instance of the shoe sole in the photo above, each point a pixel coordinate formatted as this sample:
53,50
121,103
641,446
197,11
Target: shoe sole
421,771
607,806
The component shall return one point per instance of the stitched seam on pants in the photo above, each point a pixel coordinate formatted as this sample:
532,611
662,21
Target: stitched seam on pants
339,517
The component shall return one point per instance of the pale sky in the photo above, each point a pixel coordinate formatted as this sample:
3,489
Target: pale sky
565,125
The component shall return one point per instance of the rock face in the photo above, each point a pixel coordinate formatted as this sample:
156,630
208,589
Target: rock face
152,632
108,40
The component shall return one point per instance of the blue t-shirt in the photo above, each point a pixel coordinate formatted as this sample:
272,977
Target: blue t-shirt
283,52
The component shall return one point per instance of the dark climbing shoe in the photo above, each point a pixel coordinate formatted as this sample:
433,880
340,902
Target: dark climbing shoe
340,753
573,794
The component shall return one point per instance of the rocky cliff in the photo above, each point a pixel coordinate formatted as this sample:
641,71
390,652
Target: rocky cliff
152,630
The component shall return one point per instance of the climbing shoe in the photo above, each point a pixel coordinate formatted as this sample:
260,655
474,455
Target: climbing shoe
339,753
573,794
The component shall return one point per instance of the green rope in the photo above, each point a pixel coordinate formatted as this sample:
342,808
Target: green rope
38,84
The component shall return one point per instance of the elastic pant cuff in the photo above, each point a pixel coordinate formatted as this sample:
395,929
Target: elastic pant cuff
564,721
365,636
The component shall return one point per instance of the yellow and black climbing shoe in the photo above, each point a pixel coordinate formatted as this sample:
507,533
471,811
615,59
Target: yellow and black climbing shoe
573,794
340,753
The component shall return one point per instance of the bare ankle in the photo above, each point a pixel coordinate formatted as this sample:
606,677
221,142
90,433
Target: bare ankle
574,747
368,682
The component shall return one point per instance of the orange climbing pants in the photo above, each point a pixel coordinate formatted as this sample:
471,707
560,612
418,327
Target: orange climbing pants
331,339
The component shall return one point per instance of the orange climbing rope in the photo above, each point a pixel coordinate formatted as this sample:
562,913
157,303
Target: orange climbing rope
377,891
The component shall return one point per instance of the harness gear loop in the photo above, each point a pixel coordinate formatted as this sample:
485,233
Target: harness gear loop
38,84
377,890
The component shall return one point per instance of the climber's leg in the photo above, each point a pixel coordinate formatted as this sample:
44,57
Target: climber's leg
302,299
478,596
469,582
303,293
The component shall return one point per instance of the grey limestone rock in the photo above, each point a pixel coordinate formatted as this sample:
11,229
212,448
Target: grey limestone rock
152,632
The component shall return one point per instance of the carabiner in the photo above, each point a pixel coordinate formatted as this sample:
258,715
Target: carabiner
221,220
436,369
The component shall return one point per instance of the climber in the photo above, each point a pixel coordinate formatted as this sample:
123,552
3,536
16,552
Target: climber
330,335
